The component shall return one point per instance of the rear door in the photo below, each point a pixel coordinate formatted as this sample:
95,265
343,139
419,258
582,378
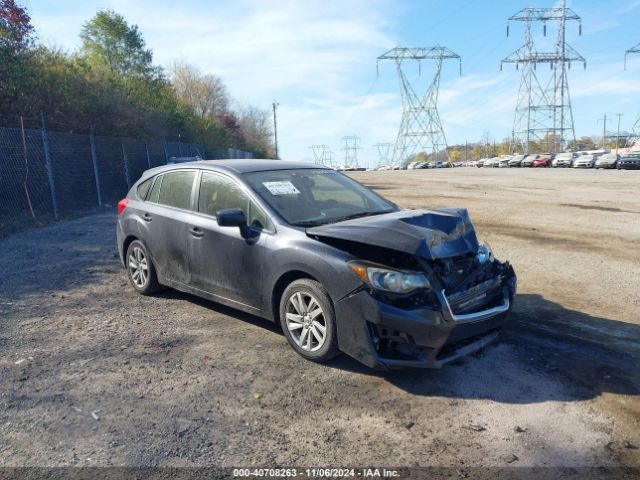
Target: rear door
166,214
222,262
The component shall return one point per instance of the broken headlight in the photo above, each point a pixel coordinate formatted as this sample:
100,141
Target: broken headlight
385,279
484,253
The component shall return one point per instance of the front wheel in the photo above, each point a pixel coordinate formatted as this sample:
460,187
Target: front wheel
308,320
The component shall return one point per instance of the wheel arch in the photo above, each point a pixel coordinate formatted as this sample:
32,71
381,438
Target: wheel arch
278,289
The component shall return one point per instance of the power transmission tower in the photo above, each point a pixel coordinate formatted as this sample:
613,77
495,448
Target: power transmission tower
321,154
635,49
543,108
351,147
634,134
383,149
420,129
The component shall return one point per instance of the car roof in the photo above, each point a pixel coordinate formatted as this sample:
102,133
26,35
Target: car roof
236,166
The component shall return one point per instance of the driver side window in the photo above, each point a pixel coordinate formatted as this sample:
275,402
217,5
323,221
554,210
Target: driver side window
218,192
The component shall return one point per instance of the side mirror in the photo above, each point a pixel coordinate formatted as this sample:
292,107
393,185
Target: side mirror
233,217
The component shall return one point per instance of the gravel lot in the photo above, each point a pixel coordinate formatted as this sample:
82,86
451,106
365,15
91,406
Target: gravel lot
92,373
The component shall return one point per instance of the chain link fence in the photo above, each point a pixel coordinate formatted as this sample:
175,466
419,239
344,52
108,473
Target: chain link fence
47,175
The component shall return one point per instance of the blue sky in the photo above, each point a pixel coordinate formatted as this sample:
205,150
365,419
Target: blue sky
317,59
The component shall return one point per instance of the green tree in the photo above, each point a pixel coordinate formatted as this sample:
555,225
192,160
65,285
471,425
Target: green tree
109,42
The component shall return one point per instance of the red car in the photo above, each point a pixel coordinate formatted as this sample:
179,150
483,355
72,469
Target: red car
543,161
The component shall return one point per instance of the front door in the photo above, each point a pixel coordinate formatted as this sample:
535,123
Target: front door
222,261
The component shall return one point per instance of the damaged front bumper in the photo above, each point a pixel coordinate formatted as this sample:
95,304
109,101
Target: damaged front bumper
450,326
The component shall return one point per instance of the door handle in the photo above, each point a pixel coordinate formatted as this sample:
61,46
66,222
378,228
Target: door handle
196,232
146,217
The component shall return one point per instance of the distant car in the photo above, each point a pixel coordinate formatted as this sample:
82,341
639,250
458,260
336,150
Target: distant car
493,162
472,163
516,160
481,162
630,161
543,161
528,160
564,159
608,160
585,161
504,162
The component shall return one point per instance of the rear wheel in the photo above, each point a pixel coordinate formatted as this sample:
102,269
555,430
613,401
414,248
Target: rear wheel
140,269
308,320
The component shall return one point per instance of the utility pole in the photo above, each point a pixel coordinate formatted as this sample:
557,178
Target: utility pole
618,134
604,129
466,151
275,126
543,107
420,128
634,134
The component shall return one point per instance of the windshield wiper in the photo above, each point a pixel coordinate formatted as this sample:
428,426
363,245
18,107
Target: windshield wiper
359,215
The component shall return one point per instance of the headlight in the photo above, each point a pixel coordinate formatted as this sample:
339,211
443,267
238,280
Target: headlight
484,253
388,280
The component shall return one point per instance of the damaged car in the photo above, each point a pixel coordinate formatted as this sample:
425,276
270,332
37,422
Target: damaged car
339,267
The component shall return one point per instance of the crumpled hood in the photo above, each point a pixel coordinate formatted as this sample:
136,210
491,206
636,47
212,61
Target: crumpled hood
429,234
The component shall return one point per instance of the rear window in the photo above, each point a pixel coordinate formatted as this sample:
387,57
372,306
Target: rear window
175,190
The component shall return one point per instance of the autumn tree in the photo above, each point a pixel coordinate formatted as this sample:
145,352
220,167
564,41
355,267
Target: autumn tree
205,95
109,42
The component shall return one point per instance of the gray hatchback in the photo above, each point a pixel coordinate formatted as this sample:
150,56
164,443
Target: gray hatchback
339,267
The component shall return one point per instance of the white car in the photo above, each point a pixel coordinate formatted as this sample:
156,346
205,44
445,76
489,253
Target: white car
564,159
585,161
504,162
608,160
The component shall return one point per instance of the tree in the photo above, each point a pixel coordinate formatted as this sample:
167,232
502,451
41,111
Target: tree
109,42
255,124
205,95
583,143
15,26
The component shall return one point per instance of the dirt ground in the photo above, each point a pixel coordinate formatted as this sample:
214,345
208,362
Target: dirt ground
92,373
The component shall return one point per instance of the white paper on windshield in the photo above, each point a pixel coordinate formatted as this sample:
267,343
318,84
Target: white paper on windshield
281,188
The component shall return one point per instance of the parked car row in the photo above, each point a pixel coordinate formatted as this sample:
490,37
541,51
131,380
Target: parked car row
594,159
600,159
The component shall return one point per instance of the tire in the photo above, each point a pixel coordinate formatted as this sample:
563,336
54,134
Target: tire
140,269
299,301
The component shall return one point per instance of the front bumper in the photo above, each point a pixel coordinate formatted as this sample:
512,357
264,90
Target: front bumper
384,336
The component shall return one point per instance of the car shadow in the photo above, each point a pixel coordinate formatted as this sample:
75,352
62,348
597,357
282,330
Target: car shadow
546,352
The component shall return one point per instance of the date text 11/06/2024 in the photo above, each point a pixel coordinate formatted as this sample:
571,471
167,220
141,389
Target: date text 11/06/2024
316,472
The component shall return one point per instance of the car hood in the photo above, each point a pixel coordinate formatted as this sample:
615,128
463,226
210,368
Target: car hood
429,234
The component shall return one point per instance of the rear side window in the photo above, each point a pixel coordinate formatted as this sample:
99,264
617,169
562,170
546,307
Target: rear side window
144,187
175,190
154,194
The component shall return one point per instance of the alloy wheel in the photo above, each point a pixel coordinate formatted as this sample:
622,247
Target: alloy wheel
305,321
138,267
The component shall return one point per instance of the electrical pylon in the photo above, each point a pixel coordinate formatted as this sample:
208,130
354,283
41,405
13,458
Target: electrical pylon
321,154
383,149
634,134
543,108
351,147
420,129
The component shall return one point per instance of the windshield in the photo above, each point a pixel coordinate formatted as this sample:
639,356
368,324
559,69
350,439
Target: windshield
308,197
